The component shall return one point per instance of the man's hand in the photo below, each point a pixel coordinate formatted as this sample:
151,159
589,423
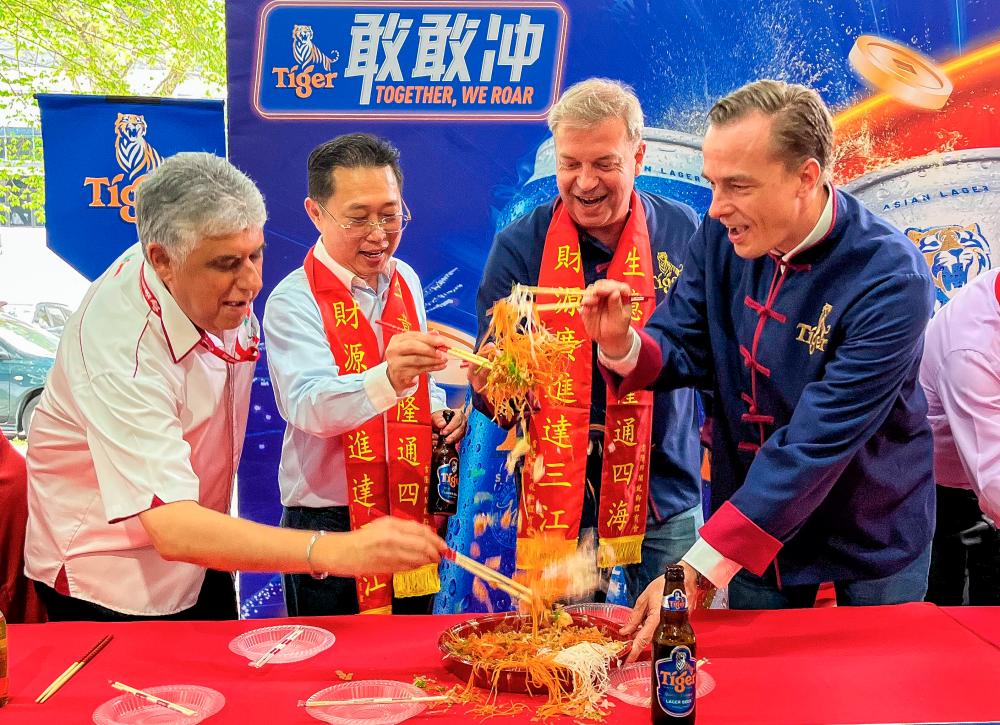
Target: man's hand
476,373
455,429
645,617
410,354
646,613
385,546
606,310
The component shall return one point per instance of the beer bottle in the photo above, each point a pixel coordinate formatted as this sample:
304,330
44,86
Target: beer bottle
674,664
442,498
3,661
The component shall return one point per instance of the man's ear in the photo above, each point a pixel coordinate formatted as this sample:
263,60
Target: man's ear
161,262
810,176
313,210
640,153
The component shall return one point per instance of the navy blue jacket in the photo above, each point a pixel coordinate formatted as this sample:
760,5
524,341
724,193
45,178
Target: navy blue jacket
820,446
516,256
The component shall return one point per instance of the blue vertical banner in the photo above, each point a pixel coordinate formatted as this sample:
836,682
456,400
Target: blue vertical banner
462,89
97,150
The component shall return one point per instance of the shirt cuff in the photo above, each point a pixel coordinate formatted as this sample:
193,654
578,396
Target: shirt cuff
379,390
624,365
711,564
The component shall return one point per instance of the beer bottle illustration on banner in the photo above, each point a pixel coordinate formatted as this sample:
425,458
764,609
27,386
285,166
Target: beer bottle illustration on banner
674,663
442,498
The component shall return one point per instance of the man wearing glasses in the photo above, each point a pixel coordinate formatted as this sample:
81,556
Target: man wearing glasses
350,360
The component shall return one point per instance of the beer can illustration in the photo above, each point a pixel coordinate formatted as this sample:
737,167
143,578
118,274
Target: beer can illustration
948,205
671,168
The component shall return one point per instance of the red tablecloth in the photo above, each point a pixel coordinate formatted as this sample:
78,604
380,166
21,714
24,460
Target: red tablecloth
984,621
907,663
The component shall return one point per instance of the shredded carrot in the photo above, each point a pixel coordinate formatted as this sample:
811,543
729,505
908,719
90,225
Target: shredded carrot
550,657
529,358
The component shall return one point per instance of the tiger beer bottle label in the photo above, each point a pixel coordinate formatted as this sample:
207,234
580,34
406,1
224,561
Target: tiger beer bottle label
676,601
675,682
447,481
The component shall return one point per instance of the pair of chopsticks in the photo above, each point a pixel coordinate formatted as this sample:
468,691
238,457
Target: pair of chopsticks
573,296
150,697
73,669
492,577
279,645
458,352
372,701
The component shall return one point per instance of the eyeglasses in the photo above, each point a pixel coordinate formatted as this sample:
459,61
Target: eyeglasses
361,228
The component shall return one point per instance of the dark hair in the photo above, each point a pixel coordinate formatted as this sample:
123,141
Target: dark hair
350,151
802,127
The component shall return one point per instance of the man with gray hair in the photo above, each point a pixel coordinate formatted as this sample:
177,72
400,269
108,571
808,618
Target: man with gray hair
804,313
136,440
630,466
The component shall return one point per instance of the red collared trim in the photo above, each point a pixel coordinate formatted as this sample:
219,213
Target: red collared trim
738,538
748,447
249,354
157,310
757,418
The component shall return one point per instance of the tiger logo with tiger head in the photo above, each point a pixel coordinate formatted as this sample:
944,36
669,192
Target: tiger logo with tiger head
954,253
133,152
305,51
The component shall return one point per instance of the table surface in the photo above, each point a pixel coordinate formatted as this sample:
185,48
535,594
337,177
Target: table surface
904,663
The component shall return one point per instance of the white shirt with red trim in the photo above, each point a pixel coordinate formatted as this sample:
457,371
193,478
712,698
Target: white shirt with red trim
137,412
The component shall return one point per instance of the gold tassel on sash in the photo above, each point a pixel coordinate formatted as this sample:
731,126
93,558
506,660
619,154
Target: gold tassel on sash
619,550
417,582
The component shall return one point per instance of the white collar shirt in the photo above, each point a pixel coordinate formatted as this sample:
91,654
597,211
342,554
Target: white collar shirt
136,413
319,403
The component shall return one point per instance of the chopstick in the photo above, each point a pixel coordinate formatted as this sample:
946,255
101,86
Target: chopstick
491,576
483,362
281,644
570,292
73,669
149,697
372,701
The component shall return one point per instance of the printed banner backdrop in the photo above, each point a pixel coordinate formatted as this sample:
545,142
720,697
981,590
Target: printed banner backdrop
462,88
96,150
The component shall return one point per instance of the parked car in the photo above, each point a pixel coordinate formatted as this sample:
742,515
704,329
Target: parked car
27,353
49,316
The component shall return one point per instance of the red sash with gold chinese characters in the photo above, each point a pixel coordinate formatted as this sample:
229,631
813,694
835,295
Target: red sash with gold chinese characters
388,458
553,504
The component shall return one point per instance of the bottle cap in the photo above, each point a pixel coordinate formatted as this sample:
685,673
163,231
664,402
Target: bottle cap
674,571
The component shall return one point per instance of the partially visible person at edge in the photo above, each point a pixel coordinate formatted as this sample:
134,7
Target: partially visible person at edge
960,375
804,313
639,485
136,441
350,360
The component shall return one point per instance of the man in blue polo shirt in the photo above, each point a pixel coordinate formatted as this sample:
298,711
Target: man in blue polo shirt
600,226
